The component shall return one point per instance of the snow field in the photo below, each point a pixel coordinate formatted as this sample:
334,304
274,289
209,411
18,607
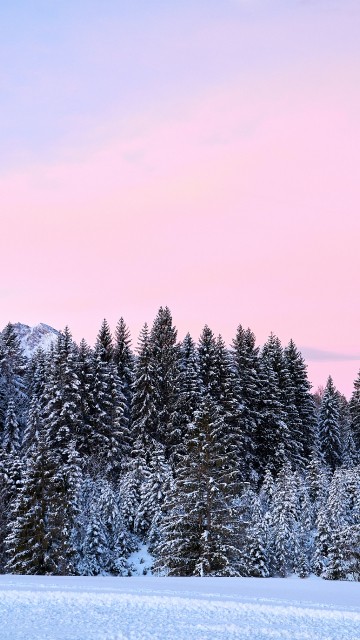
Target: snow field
150,608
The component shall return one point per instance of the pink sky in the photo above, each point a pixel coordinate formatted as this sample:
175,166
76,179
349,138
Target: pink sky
234,199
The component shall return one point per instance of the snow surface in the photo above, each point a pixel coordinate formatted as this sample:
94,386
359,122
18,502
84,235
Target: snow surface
104,608
140,562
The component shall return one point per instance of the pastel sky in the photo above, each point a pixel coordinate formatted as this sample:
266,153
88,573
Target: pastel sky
198,154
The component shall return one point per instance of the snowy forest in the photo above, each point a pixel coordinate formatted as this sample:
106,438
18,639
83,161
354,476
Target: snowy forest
219,459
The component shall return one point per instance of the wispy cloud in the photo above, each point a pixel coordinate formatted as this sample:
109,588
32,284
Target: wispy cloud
319,355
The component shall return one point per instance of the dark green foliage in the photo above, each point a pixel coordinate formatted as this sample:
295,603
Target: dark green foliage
329,426
209,456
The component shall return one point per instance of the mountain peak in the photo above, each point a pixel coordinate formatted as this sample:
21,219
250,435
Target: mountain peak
32,338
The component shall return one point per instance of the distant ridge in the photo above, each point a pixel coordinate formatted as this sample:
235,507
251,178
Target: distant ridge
32,338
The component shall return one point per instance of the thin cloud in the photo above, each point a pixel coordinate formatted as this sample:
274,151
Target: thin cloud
319,355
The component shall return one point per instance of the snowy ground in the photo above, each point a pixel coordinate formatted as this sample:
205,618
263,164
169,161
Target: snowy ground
34,608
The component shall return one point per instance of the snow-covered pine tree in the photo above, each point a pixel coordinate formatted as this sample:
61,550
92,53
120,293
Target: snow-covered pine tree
198,531
125,363
43,513
61,401
145,399
284,523
155,485
273,437
109,423
245,359
329,426
302,398
208,369
86,438
355,413
257,552
11,477
188,396
349,454
12,375
36,381
343,523
229,406
27,542
274,356
119,541
165,359
11,436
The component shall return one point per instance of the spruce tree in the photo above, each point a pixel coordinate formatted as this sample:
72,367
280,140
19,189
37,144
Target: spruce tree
198,530
164,357
245,358
125,363
355,413
109,423
303,400
11,437
188,396
273,437
329,426
12,375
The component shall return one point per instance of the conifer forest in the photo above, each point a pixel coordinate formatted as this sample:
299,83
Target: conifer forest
219,459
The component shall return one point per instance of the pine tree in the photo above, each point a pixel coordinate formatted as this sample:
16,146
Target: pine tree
329,426
125,363
302,398
273,437
87,441
11,437
12,375
198,531
284,523
43,515
257,561
188,396
61,413
156,482
355,413
164,358
245,358
145,399
208,363
109,423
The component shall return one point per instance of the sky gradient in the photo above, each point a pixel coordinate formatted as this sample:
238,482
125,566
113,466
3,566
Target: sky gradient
200,155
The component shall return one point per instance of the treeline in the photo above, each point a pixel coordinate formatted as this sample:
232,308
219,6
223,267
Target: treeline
220,459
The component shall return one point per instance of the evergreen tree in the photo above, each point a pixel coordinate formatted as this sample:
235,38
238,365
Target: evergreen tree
43,515
164,358
11,437
125,363
208,369
284,523
188,396
355,413
156,482
329,426
145,400
198,530
87,440
257,560
12,375
245,358
274,439
302,399
109,423
61,413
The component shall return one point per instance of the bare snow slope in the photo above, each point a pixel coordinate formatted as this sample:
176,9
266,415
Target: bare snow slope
150,608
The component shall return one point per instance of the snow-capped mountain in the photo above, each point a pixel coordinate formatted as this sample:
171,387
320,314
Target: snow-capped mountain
31,338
